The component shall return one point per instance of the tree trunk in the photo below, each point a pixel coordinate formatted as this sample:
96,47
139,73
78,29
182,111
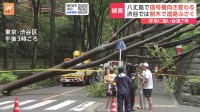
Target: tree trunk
35,12
92,30
75,27
15,45
83,32
75,33
133,29
90,27
52,41
5,50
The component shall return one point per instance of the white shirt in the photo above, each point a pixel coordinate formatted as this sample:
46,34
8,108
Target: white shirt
149,84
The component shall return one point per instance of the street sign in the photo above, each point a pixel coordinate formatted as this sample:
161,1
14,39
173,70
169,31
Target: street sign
121,45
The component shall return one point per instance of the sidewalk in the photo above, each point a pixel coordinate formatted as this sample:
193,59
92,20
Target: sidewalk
162,102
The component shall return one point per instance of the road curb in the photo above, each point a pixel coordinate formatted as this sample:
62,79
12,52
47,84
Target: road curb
24,89
101,108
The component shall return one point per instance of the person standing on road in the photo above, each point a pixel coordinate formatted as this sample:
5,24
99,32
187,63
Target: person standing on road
130,70
108,80
159,75
123,84
141,95
147,85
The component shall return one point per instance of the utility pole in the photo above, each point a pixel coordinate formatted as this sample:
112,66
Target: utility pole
52,40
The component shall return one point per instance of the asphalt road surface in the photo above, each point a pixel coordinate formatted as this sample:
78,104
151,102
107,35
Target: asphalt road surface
52,99
74,99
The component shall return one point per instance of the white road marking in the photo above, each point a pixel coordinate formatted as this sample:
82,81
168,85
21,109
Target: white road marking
61,105
63,93
163,105
38,105
160,105
21,103
6,102
82,106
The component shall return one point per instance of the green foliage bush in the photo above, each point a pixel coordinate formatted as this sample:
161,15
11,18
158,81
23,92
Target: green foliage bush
96,90
46,83
170,84
21,75
7,77
194,84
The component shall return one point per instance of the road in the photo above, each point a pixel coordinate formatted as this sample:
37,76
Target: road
162,102
74,99
55,99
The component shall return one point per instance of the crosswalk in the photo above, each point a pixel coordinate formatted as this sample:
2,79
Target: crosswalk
48,105
11,105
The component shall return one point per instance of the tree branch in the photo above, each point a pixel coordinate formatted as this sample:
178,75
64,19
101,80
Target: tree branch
198,4
179,33
111,45
171,1
164,69
115,54
174,43
166,1
176,56
120,30
104,47
186,53
46,74
138,56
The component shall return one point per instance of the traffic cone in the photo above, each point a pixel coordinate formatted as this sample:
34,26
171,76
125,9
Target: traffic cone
113,105
16,106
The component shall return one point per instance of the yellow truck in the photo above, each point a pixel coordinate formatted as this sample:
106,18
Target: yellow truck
84,76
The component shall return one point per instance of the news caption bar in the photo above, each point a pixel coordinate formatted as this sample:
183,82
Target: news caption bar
156,13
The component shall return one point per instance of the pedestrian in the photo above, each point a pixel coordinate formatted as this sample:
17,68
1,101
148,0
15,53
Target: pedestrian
130,70
111,92
123,84
147,85
105,70
99,75
141,95
159,75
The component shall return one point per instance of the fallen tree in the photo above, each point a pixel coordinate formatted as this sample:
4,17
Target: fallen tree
175,43
168,39
179,57
46,74
7,88
182,55
115,54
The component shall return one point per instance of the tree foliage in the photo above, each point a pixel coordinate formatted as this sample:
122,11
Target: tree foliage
163,55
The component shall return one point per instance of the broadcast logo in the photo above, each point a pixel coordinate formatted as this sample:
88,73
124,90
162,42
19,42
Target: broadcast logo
8,9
